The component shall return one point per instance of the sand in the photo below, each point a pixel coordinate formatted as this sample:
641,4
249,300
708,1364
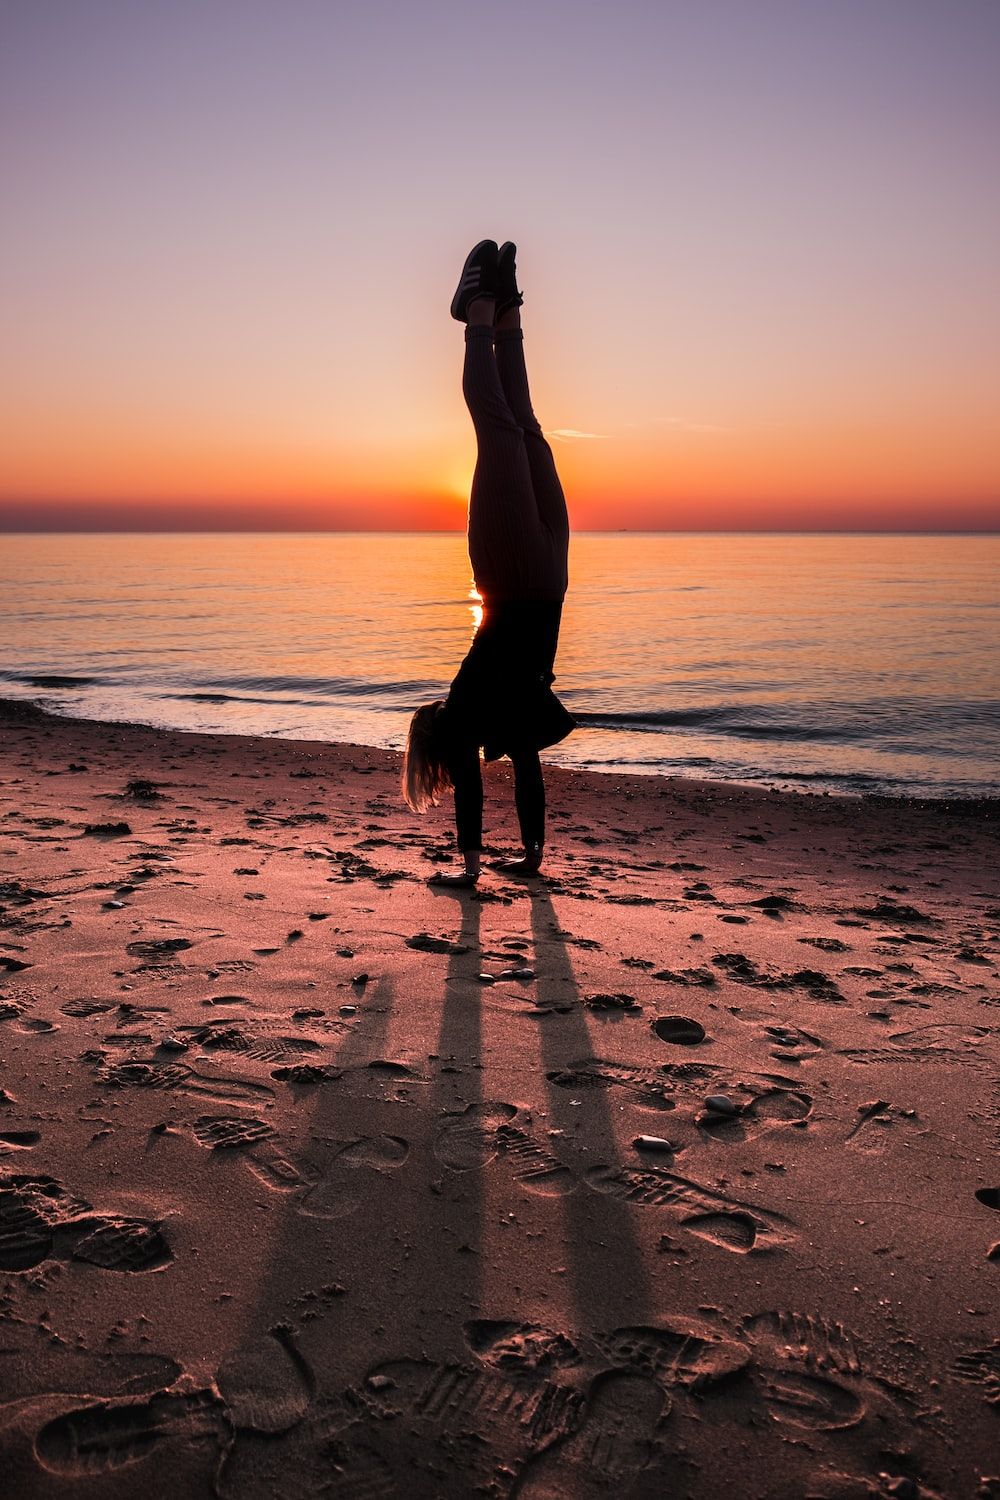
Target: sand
294,1201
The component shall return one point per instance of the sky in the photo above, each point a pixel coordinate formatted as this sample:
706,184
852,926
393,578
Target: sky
759,244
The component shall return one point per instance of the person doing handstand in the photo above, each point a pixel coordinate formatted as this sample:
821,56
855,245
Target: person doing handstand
501,698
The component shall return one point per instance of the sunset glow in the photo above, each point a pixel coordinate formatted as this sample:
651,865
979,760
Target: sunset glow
758,245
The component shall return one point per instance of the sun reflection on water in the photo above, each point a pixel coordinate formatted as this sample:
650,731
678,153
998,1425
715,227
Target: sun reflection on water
476,607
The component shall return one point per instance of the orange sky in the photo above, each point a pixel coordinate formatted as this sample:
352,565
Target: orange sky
759,262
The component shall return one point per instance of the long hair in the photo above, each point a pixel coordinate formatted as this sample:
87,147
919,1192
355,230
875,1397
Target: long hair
425,775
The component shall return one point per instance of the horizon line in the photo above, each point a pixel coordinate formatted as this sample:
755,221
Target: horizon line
456,532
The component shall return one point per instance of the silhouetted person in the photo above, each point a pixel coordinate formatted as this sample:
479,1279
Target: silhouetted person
501,698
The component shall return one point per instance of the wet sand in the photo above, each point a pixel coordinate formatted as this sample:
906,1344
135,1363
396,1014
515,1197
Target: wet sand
295,1201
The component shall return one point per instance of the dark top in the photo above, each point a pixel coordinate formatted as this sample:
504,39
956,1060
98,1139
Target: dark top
501,696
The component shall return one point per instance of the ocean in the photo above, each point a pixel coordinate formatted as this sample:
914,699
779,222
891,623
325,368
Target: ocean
838,663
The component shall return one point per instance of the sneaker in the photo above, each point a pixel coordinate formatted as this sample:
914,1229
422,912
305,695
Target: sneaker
478,278
508,295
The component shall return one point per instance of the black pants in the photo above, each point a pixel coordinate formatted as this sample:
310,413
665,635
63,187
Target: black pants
518,525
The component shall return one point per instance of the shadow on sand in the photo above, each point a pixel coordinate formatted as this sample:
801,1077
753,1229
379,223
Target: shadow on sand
404,1341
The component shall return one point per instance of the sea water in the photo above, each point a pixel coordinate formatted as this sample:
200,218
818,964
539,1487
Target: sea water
843,663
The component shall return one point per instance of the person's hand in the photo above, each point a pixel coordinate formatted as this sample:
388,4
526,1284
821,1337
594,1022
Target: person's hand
520,867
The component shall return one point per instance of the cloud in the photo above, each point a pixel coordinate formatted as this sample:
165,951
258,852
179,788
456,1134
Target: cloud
682,424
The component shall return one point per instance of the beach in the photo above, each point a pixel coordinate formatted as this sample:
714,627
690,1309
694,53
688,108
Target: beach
674,1173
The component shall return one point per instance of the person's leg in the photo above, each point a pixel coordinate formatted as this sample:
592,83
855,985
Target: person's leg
509,349
489,409
529,798
504,525
508,342
462,760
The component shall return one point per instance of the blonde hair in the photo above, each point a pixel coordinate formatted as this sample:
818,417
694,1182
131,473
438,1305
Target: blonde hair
425,775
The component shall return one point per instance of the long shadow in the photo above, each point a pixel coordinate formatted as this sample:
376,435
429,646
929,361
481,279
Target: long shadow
322,1113
399,1308
321,1327
606,1270
363,1044
457,1090
410,1215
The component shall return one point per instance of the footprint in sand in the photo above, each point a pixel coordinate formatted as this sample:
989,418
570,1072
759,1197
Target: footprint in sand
467,1141
791,1043
827,944
725,1221
811,1373
40,1220
801,1399
274,1049
266,1384
949,1043
878,1123
105,1437
184,1080
230,1133
317,1455
520,1348
730,1231
87,1007
483,1132
765,1112
679,1353
981,1367
258,1147
153,949
329,1191
336,1189
651,1088
31,1364
421,1402
299,1465
117,1244
610,1448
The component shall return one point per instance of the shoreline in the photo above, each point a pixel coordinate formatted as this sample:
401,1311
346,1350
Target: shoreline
674,1171
972,806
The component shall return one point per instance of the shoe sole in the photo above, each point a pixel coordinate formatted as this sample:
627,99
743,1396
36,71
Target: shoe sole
456,301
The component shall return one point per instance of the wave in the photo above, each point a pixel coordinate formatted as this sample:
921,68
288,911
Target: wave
272,700
821,722
902,722
892,718
49,679
262,689
334,687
